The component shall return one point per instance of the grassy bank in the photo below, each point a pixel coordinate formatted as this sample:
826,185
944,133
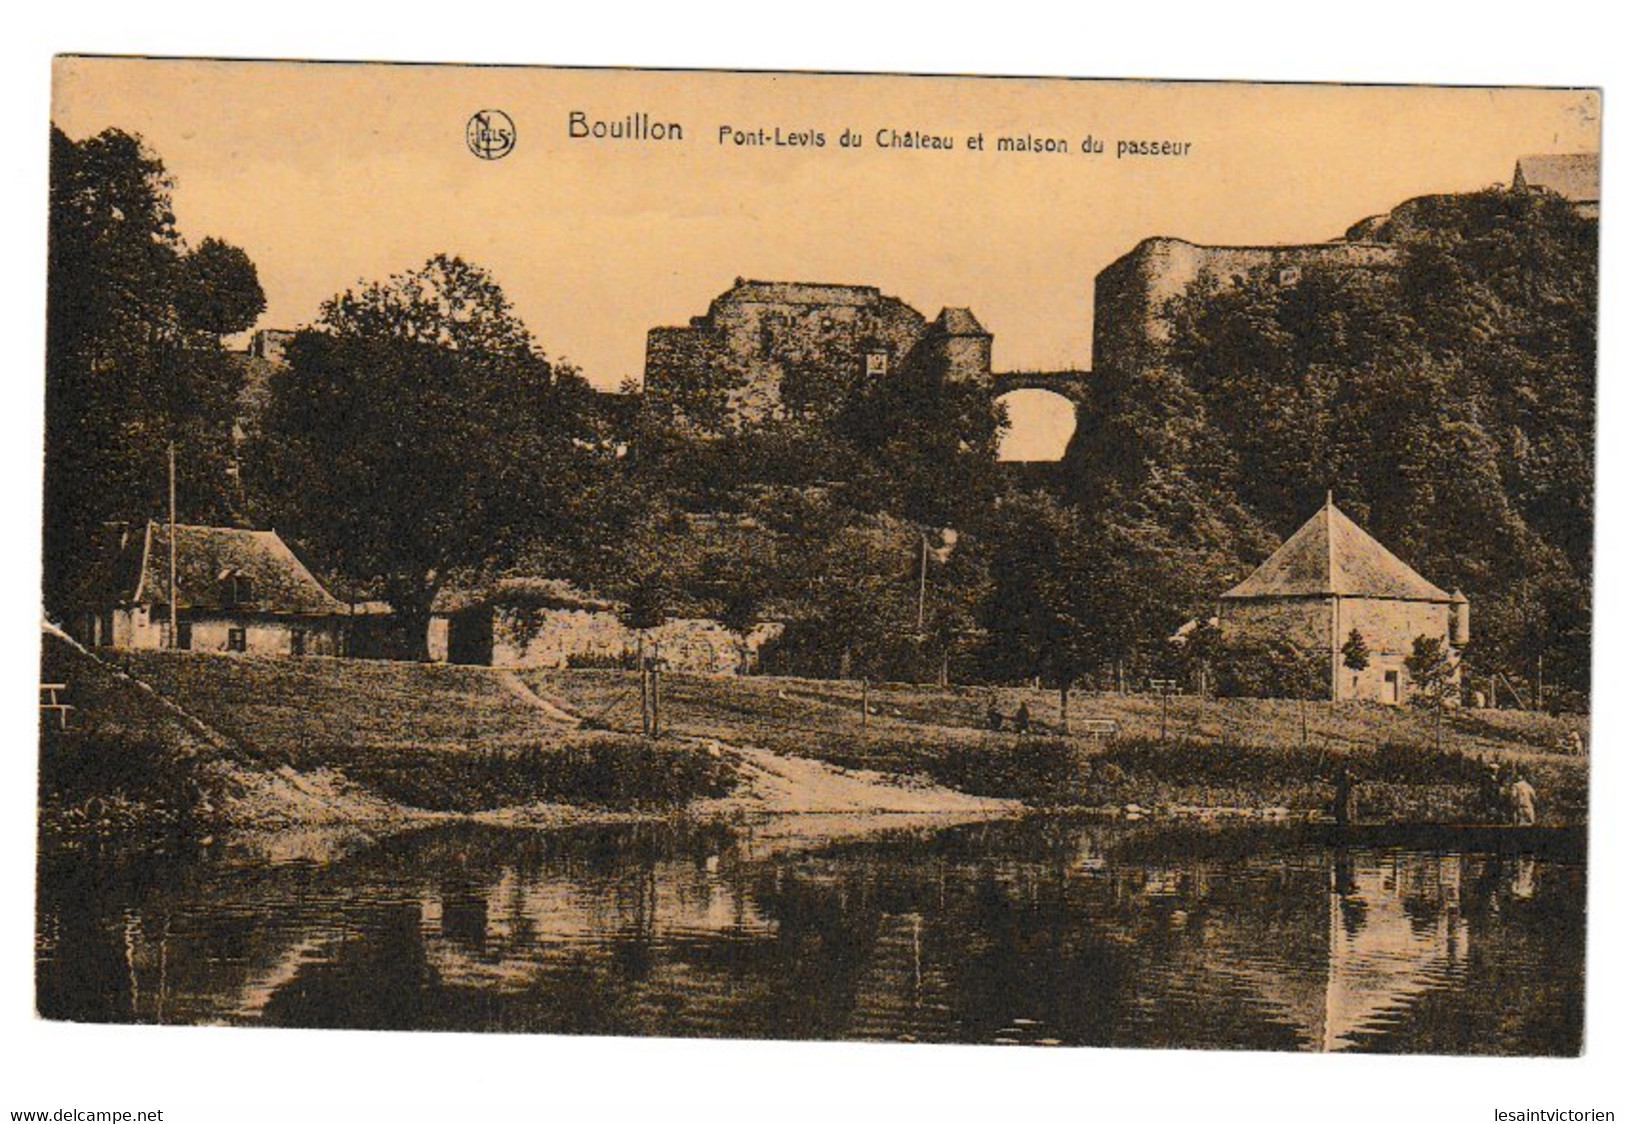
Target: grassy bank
222,739
125,760
227,739
1248,754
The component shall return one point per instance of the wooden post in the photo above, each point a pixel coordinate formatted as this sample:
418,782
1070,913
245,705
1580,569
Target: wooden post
919,625
1303,724
655,692
865,701
643,687
174,550
1066,688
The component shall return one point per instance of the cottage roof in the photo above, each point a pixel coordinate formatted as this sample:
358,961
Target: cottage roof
550,593
208,561
1330,555
1576,176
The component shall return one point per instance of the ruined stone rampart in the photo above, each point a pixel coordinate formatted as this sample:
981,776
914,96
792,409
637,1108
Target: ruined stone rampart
1133,295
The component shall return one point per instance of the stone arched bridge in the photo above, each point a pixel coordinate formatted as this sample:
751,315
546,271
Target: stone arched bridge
1068,384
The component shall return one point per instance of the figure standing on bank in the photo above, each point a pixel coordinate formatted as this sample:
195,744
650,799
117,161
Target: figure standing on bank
1522,795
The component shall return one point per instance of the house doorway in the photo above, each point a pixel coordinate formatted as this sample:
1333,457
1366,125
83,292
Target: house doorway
1390,686
469,637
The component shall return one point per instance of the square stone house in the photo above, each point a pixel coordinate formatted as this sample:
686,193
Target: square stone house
1332,578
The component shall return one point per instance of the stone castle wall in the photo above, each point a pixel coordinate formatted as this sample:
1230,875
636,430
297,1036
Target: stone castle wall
1133,294
773,349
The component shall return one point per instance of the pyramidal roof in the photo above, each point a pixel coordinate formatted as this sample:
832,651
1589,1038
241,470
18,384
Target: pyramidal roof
1330,555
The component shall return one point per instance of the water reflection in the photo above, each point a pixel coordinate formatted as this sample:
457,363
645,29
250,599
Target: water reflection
1033,931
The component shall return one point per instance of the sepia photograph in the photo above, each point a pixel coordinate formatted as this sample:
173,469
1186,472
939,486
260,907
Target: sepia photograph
796,556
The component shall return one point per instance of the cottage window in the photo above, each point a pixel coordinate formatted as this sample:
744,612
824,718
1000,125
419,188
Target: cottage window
237,640
296,642
876,363
236,588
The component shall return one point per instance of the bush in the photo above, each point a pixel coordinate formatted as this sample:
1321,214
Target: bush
116,780
1246,666
1040,770
586,661
608,771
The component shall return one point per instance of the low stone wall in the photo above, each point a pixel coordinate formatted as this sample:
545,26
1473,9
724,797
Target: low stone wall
577,637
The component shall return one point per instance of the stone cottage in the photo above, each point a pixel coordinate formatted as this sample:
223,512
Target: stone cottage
529,622
235,591
1332,578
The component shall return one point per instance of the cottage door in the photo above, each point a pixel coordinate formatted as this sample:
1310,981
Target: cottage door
1390,686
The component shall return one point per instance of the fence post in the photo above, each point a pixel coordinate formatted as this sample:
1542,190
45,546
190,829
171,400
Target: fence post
643,688
655,671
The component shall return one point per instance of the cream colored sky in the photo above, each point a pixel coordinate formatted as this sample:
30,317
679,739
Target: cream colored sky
328,173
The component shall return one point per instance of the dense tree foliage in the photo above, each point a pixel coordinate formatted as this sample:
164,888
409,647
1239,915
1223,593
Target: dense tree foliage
419,433
823,515
1449,401
420,436
134,358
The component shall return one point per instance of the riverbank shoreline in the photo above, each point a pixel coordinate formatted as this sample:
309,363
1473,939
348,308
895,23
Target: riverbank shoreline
206,744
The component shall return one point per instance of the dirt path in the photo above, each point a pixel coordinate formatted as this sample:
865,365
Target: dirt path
773,782
778,783
547,706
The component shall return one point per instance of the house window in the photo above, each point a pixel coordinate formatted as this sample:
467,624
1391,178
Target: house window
1290,276
236,588
296,642
875,363
237,640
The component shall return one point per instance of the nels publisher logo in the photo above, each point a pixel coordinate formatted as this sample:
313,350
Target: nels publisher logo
491,134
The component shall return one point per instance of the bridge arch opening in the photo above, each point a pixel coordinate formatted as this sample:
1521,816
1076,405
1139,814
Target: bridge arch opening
1041,425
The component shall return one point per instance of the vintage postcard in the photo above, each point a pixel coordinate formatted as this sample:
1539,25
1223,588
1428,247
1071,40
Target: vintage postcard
813,556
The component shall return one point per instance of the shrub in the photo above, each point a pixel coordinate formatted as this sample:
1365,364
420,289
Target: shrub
85,779
604,771
1248,666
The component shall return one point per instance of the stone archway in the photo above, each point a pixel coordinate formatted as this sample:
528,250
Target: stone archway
1043,412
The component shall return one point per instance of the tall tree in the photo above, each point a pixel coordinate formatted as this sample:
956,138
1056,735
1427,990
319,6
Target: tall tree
134,354
420,431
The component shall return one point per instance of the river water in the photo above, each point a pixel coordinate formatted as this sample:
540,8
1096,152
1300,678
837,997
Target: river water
1038,930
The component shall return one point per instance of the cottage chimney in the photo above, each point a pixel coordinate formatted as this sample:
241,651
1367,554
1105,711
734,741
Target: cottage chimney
1460,628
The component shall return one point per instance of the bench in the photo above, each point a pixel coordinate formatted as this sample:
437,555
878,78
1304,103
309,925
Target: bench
1097,727
50,698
